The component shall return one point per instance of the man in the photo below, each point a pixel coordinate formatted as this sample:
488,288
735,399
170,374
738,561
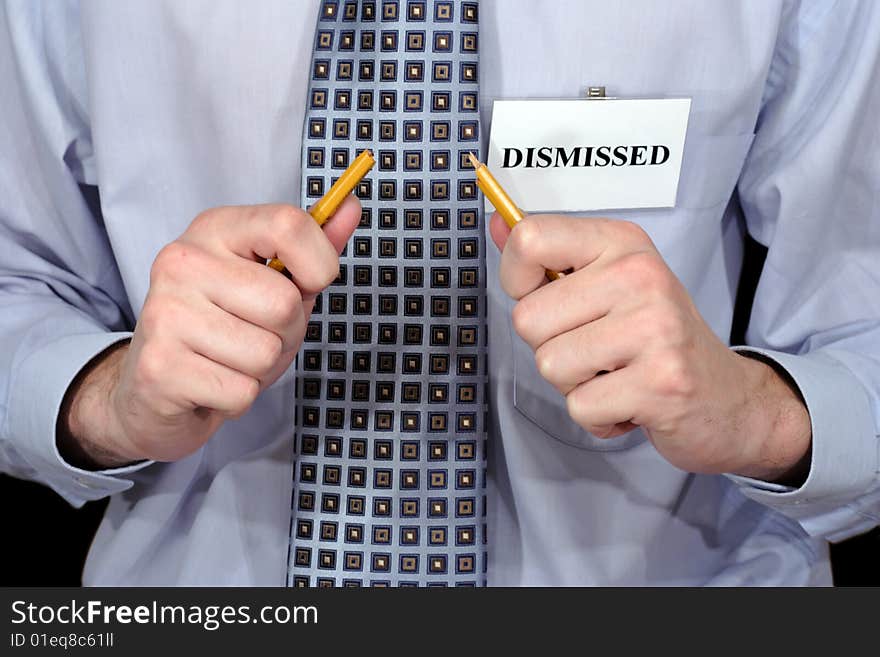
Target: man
625,443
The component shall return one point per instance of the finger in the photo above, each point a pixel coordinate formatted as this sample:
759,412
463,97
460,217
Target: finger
199,382
267,231
499,230
275,305
577,356
560,243
280,368
231,341
312,277
249,290
613,430
338,229
343,223
609,400
574,300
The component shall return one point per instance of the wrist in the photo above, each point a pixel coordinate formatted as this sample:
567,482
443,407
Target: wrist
88,434
777,430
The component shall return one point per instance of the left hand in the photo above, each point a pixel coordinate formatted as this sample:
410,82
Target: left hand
622,311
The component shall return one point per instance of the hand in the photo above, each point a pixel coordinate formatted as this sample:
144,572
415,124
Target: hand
621,339
217,327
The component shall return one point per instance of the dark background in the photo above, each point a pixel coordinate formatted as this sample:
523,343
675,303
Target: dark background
45,541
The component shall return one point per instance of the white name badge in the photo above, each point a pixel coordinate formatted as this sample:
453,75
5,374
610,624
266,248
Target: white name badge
580,155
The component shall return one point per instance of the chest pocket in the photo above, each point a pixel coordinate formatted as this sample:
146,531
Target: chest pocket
710,169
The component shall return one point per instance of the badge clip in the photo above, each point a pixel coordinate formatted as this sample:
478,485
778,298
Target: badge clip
598,93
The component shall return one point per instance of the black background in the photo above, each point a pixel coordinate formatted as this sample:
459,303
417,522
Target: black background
45,541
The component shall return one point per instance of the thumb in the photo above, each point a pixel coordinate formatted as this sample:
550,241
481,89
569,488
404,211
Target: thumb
341,225
338,230
499,230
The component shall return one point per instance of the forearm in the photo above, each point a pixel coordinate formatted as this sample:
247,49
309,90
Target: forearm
777,424
44,345
87,432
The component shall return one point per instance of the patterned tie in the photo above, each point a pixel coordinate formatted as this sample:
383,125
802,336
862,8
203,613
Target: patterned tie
389,473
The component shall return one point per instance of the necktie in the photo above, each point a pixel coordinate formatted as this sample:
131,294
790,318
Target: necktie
389,467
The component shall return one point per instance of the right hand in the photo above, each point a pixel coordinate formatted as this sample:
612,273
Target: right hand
216,329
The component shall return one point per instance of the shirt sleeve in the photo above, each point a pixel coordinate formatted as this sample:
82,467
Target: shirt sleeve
61,298
810,192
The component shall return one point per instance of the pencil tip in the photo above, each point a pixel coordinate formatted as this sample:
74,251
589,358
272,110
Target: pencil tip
473,160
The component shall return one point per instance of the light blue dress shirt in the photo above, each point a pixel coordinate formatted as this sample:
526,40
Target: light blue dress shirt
169,108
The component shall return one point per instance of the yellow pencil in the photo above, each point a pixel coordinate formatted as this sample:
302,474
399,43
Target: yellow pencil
508,210
330,202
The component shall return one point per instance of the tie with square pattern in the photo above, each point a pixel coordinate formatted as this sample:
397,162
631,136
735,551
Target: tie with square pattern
389,472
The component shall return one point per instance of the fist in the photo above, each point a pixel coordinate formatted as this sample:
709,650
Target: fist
218,326
621,339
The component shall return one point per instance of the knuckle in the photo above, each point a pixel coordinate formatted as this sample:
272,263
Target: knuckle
522,317
663,282
169,262
506,280
321,267
674,375
202,222
670,327
285,304
642,270
149,320
245,395
286,221
198,222
151,365
163,315
546,362
267,352
632,232
327,271
525,237
576,408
